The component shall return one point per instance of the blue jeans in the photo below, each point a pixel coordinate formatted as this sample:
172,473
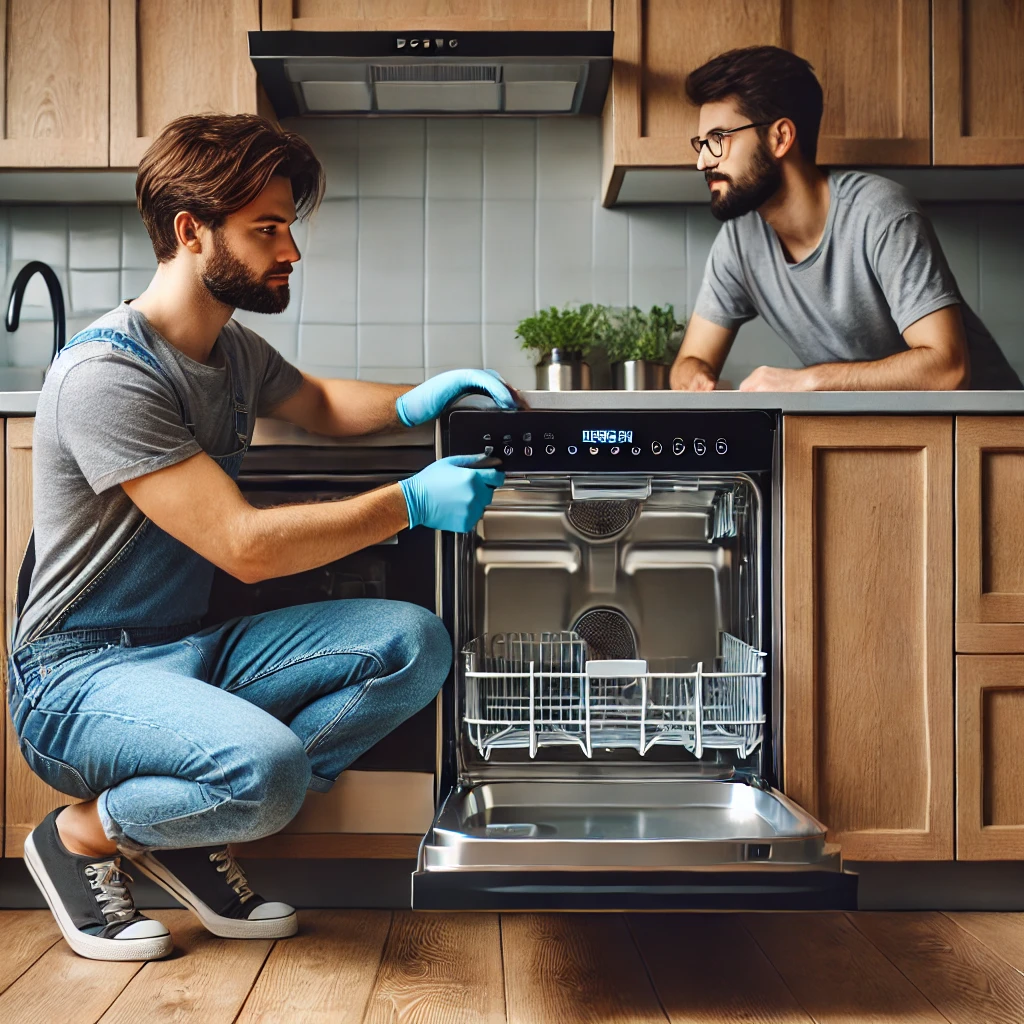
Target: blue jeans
215,737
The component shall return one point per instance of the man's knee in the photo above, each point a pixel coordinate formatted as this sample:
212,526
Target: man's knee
426,649
275,783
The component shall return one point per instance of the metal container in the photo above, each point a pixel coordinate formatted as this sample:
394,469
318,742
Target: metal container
639,375
562,371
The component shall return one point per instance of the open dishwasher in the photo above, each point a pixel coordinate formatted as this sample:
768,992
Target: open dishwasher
607,738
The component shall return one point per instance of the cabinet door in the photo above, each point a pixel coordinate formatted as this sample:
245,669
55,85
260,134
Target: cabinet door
153,80
29,800
989,539
979,81
867,631
55,61
989,766
873,66
457,15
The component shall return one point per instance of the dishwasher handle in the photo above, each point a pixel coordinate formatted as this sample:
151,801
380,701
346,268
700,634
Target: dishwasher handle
590,488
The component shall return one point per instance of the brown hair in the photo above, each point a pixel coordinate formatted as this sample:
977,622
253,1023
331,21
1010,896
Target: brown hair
214,164
768,83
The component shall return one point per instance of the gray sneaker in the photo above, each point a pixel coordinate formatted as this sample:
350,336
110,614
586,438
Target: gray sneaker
91,901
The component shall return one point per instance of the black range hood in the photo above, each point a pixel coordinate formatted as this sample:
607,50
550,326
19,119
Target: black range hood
516,74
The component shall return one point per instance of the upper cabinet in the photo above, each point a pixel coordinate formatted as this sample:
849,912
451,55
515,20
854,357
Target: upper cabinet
54,87
874,71
454,15
979,81
153,81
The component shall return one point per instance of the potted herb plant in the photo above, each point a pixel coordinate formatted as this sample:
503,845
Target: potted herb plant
561,339
640,346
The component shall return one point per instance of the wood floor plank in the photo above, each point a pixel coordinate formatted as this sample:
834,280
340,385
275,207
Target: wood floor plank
206,980
838,976
571,968
1002,933
25,935
325,974
692,960
440,969
965,979
63,986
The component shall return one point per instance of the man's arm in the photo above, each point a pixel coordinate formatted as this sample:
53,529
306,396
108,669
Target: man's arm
255,544
342,408
701,355
937,361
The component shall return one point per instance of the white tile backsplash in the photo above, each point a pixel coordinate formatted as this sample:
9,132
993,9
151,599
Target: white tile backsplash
437,236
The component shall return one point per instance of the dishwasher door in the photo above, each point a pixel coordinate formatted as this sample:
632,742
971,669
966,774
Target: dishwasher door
617,844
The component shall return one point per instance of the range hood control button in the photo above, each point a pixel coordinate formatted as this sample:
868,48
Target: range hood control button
678,446
656,447
699,446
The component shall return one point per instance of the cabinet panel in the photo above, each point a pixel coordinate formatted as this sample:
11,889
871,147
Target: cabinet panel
55,60
872,61
979,81
151,83
989,542
867,599
459,15
990,769
29,799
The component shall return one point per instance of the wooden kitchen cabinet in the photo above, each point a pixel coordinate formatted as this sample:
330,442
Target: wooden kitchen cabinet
979,81
989,538
174,57
868,634
28,798
55,83
456,15
989,766
874,71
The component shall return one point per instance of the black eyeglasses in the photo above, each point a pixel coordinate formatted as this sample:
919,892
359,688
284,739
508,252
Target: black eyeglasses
716,140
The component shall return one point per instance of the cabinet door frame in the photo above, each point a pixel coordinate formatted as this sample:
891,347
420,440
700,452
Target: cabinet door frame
986,622
50,152
951,146
126,144
803,436
975,676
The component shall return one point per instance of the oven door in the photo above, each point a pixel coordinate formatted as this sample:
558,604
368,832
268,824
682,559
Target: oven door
627,844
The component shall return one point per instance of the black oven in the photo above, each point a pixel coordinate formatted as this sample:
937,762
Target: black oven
401,568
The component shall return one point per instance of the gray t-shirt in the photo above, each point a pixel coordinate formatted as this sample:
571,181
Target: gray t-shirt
878,269
105,416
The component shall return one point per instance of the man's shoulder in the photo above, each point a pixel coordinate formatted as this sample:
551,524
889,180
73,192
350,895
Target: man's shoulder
873,197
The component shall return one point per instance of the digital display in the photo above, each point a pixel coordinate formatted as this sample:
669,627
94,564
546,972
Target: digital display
607,436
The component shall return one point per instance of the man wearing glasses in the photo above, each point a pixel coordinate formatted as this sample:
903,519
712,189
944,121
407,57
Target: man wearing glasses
843,265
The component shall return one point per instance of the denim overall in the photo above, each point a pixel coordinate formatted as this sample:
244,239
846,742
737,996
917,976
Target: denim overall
196,737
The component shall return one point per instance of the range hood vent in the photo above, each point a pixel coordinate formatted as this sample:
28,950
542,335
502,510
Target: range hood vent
522,74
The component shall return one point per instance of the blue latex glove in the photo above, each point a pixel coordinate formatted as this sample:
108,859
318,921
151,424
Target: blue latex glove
451,495
429,399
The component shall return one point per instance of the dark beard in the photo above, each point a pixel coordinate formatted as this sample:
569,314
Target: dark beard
230,281
751,192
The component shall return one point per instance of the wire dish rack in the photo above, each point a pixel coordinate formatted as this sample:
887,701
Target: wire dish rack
532,690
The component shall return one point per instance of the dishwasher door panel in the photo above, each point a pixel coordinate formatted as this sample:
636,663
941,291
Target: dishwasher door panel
622,845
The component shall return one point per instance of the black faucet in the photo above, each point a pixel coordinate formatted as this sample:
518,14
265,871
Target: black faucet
56,301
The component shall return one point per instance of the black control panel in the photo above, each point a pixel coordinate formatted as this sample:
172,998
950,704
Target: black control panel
607,442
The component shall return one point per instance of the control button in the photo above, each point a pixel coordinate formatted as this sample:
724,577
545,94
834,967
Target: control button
488,449
549,436
507,437
699,446
678,446
487,437
573,449
509,449
615,449
527,437
594,450
549,450
656,447
720,446
527,451
635,450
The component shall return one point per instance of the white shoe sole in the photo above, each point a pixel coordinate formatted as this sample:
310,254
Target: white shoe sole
91,946
225,927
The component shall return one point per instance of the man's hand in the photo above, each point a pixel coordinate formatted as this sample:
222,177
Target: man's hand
452,493
701,355
427,401
692,374
775,378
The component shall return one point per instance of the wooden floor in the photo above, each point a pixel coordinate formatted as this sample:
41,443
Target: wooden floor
351,967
